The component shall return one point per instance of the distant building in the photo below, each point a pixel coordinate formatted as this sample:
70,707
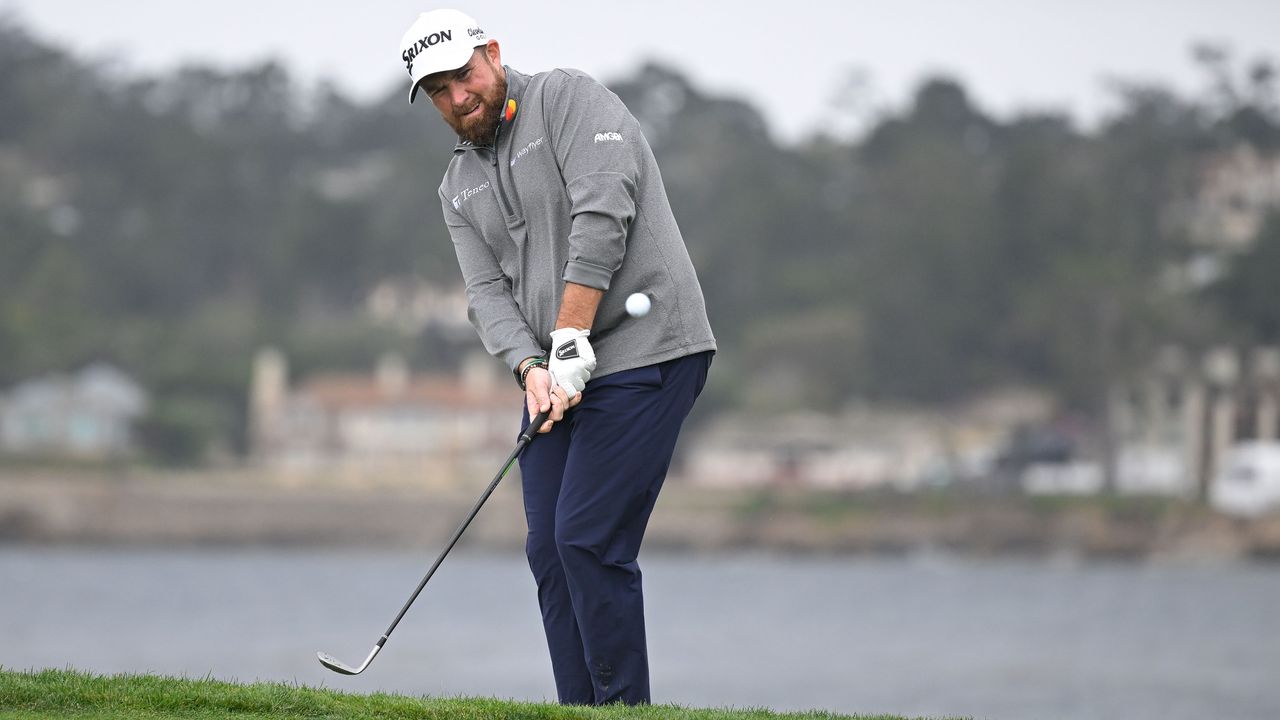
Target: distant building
865,447
1237,189
413,307
1176,426
87,414
386,419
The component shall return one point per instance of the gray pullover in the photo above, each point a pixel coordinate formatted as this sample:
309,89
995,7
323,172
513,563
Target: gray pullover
570,191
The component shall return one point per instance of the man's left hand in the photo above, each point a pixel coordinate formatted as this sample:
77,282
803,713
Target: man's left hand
572,359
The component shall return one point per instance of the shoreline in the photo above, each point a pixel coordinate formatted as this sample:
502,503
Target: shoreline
243,508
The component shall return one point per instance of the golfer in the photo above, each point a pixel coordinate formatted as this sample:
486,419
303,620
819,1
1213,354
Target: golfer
557,213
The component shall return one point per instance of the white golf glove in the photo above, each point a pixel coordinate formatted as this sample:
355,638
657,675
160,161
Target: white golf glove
572,359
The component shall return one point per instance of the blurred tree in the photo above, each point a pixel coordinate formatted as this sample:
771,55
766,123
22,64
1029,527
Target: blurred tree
175,223
925,262
1242,102
1103,302
1248,294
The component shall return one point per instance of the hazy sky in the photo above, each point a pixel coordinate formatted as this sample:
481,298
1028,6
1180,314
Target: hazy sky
786,58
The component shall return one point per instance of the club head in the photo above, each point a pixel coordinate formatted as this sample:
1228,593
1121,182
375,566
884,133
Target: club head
338,666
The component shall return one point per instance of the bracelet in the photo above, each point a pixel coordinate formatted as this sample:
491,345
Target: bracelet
515,371
536,362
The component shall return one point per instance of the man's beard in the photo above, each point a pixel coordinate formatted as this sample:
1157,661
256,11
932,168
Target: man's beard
479,130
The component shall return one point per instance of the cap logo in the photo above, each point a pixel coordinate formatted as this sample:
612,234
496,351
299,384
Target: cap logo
434,38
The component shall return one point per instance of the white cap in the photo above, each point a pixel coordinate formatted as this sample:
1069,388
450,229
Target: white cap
439,40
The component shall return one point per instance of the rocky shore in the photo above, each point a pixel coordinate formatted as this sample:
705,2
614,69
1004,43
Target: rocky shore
248,508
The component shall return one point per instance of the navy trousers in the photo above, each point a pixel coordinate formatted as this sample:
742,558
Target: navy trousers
589,487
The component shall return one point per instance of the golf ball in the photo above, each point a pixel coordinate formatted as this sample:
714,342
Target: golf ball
638,305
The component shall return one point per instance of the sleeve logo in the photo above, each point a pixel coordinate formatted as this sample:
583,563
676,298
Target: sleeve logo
608,137
467,194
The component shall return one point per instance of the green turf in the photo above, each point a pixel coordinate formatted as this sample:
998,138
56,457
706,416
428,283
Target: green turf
72,694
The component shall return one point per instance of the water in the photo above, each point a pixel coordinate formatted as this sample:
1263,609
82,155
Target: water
925,636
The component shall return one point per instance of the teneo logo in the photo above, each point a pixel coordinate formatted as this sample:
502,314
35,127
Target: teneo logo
466,194
527,149
434,38
608,137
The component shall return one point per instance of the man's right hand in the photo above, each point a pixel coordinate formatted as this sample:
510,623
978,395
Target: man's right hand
541,392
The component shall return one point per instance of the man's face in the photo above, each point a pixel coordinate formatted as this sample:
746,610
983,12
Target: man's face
470,98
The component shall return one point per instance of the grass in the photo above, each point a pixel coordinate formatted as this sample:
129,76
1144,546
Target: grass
73,694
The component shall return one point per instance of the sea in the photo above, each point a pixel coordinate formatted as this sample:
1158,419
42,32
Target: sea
923,635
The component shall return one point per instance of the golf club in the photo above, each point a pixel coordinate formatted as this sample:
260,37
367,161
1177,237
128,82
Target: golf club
526,437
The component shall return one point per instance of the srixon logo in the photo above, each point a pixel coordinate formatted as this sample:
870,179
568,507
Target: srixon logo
567,350
434,38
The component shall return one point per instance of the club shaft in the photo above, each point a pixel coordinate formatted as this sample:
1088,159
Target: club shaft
525,438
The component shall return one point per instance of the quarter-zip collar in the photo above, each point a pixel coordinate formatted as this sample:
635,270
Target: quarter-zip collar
510,110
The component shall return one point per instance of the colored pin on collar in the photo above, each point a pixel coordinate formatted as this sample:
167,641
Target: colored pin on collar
511,110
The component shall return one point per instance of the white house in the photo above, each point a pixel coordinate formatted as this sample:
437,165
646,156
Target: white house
87,414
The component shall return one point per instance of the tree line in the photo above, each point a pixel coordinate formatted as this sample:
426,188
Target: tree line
174,224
